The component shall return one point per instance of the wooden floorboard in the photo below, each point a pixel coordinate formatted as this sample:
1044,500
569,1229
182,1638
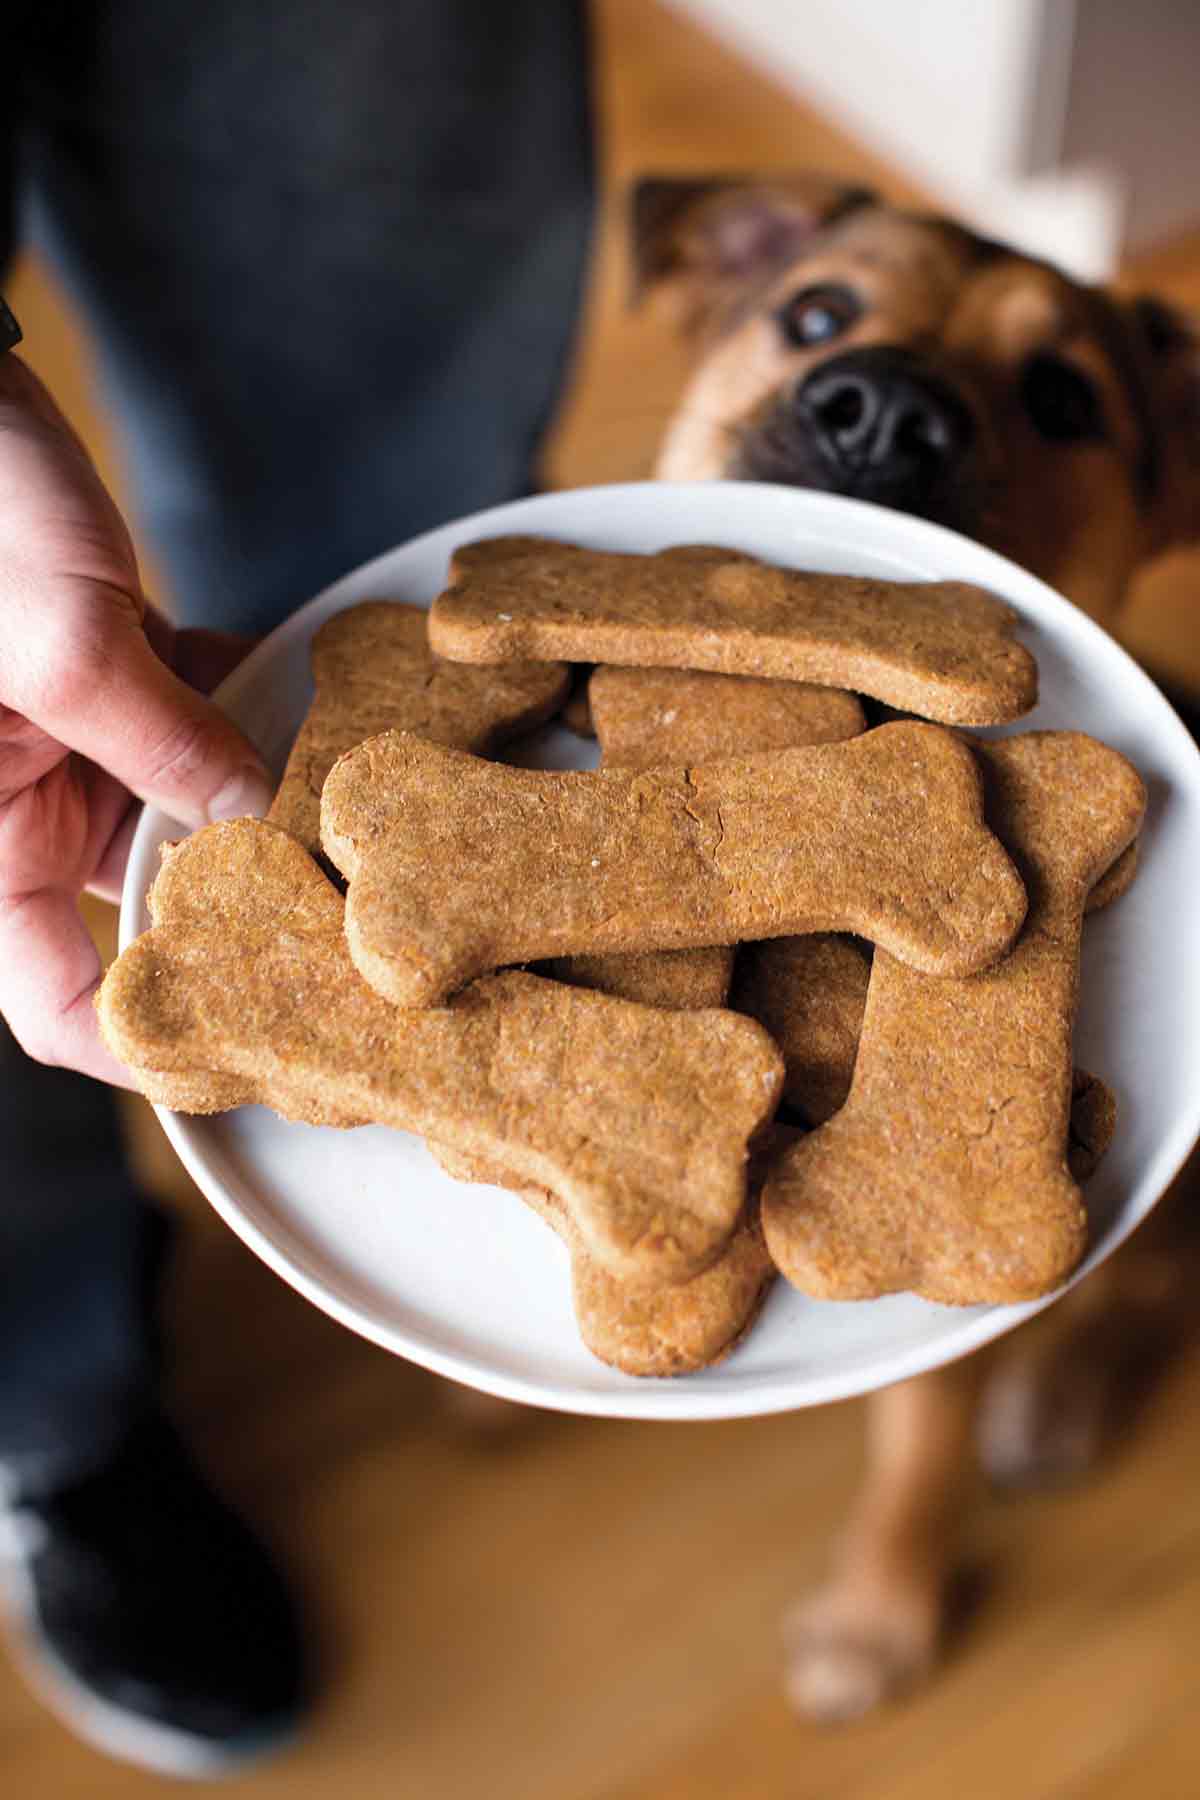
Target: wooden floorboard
589,1610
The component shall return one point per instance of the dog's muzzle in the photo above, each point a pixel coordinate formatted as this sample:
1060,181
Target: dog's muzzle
884,426
877,423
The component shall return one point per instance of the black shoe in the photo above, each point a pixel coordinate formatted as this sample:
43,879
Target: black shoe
149,1618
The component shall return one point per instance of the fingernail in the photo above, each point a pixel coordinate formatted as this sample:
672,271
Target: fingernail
249,792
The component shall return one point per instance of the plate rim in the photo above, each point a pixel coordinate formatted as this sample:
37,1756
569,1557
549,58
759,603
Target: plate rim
685,1397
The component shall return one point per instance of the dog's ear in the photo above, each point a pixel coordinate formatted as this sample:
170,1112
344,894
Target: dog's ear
1168,349
699,239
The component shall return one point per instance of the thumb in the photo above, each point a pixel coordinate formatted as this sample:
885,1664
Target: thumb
110,698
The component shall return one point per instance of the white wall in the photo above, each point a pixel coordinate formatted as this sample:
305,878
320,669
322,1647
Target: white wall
1067,126
1132,103
937,84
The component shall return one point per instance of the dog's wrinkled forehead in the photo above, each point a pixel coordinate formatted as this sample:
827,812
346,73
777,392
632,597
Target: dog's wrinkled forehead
936,282
958,284
887,246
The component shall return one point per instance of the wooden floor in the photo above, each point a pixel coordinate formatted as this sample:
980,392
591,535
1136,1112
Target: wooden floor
589,1610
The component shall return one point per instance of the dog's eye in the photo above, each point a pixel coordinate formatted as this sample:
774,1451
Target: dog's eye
1061,401
817,314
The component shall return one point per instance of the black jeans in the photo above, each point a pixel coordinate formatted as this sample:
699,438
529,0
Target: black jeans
333,254
80,1254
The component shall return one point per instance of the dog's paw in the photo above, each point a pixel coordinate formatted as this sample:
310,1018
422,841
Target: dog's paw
849,1648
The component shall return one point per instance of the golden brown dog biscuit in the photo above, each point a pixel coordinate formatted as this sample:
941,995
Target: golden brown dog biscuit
244,991
945,1173
373,670
645,717
655,1330
457,865
679,979
945,650
1093,1123
1115,881
577,709
810,993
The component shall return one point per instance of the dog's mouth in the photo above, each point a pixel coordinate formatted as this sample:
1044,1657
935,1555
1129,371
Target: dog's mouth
874,424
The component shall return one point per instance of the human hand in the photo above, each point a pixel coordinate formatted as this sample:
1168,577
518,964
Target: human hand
95,709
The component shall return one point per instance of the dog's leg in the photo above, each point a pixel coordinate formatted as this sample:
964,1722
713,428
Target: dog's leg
482,1418
873,1628
1069,1387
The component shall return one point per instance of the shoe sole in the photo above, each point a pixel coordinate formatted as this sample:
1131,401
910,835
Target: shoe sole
161,1749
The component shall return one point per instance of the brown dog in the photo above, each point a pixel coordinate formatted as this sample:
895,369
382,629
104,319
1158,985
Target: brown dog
847,346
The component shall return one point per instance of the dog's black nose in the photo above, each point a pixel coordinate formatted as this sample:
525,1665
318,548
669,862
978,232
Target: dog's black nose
885,426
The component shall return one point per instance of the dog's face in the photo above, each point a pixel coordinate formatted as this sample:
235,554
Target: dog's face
850,347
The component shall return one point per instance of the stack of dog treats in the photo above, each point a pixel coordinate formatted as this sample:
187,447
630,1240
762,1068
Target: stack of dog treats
768,991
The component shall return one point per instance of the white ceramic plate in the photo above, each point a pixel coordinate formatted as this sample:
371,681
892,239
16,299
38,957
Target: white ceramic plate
464,1279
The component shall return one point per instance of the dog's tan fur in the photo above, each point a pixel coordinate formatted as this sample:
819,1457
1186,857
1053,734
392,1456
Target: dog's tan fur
1081,516
726,258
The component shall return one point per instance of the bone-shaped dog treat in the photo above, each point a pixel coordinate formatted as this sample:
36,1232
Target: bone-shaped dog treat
945,1173
811,993
576,714
680,980
944,649
1093,1123
655,1330
457,865
648,717
1115,881
373,670
244,991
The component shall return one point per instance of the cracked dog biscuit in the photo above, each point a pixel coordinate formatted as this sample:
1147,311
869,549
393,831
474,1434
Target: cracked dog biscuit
944,649
810,993
457,866
945,1173
373,670
660,1329
244,992
645,717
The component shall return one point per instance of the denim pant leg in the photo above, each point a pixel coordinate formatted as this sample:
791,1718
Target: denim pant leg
79,1253
333,251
